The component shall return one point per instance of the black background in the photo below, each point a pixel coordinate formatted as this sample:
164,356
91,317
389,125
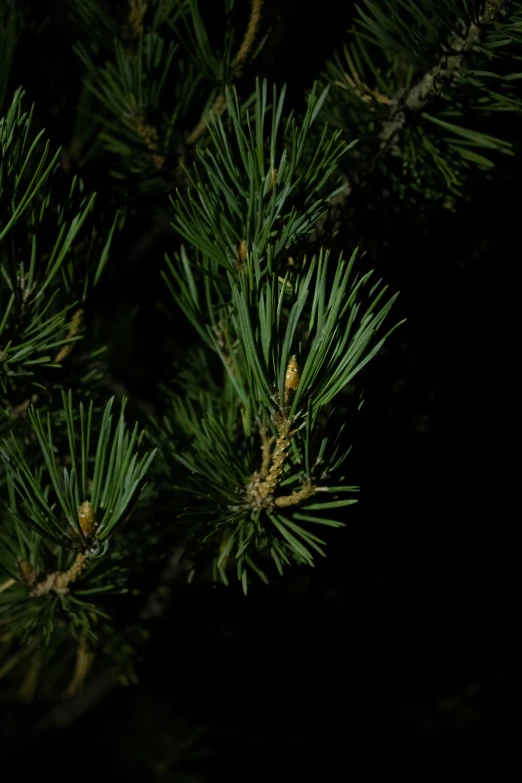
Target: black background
398,652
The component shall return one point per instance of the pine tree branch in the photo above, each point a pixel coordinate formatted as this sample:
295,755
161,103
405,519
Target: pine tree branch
265,482
249,37
59,581
260,492
306,491
416,99
266,452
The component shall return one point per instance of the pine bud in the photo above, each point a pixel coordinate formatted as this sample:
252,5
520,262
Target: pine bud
27,572
291,380
87,518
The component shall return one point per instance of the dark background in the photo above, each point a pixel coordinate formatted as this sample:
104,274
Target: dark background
399,651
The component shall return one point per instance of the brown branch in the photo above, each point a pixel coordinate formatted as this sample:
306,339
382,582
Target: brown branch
59,581
446,69
261,488
266,453
306,491
268,486
249,37
264,483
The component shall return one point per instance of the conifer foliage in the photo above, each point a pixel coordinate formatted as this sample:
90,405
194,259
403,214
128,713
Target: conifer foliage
246,465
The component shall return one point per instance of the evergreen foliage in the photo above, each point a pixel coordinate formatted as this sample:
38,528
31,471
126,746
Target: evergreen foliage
244,462
421,84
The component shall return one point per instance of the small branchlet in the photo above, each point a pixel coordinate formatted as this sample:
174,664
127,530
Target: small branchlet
266,451
249,37
59,581
264,483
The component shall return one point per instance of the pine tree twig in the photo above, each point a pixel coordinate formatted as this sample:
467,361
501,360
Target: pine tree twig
266,453
268,486
415,99
59,581
248,38
220,105
263,484
306,491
